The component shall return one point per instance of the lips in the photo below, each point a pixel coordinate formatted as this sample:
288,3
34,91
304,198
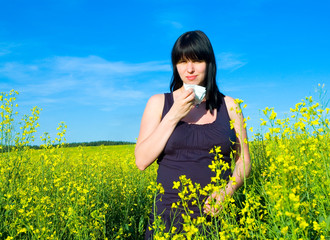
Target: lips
190,78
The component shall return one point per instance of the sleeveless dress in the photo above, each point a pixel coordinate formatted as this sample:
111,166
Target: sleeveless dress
187,152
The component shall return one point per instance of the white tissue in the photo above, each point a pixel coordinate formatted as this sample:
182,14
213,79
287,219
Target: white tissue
198,90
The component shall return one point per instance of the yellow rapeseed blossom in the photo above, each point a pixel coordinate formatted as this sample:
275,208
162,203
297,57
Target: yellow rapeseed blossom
98,193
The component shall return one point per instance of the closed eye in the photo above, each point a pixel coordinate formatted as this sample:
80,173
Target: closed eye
182,61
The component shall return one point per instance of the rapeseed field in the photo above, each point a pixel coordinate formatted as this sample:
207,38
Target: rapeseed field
98,193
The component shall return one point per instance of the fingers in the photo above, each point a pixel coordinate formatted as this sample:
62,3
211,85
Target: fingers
207,207
212,210
188,95
188,92
212,205
183,103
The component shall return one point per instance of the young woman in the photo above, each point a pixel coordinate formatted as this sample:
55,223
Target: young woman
180,134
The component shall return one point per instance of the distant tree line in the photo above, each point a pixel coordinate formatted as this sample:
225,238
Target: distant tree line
75,144
98,143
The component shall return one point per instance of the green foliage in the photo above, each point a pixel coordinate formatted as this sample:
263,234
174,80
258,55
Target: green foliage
96,192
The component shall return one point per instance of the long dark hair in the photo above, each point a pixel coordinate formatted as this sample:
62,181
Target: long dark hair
196,46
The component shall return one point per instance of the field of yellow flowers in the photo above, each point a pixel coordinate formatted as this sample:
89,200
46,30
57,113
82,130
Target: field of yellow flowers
98,193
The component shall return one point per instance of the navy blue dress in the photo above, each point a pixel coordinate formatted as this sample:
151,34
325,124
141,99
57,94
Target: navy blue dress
187,152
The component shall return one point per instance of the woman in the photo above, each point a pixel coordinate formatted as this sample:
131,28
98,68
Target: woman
180,134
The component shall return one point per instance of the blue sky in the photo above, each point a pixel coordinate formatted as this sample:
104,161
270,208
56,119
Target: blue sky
94,64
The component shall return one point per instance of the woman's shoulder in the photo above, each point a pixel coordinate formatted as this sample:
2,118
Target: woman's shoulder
157,98
154,107
233,107
230,102
156,101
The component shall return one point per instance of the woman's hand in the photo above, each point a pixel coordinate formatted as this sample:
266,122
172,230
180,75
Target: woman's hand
183,103
213,204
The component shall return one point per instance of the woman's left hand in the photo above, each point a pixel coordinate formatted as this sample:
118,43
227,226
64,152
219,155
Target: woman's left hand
213,204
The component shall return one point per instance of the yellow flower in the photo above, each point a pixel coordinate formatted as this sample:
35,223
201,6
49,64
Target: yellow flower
303,224
263,123
273,115
176,185
231,122
316,226
173,229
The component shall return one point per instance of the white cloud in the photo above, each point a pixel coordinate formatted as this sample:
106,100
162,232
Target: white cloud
229,61
173,19
174,24
101,66
89,81
4,52
6,48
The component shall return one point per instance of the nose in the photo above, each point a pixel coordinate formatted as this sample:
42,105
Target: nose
190,67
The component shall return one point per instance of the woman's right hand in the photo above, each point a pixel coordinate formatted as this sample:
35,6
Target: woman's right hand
183,103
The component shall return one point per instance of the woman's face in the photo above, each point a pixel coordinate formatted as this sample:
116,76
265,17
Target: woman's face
191,71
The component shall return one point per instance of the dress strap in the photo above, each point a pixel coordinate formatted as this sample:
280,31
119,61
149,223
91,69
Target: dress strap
168,102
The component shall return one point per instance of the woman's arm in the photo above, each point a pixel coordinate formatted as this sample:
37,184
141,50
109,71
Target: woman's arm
154,131
242,162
